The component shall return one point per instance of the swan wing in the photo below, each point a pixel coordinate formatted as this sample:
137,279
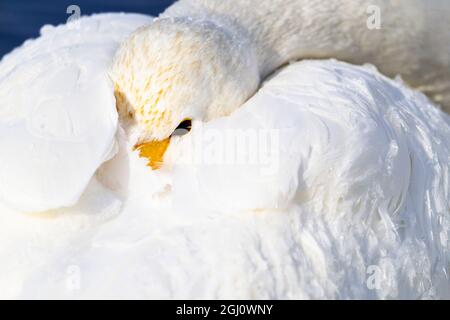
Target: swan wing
57,111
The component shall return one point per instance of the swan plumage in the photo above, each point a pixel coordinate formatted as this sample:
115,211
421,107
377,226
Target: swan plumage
355,177
57,117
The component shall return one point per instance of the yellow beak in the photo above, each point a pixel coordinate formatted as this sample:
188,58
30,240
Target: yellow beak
154,152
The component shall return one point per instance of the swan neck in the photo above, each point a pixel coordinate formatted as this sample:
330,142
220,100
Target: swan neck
412,40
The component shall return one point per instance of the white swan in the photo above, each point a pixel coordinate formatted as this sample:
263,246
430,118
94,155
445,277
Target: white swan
368,186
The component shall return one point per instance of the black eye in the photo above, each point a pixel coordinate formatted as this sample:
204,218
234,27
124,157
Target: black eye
183,128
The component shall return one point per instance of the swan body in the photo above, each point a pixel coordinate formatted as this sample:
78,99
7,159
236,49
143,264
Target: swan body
354,205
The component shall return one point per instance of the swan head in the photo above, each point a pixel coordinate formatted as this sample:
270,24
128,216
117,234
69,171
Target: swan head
174,72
